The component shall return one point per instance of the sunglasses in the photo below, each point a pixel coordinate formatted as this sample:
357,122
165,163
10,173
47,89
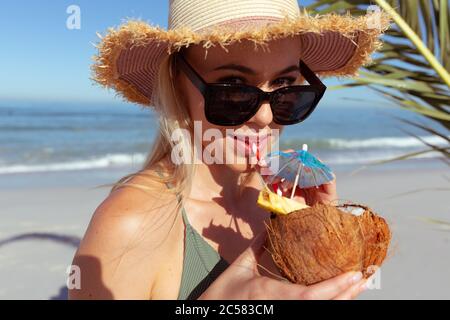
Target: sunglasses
234,104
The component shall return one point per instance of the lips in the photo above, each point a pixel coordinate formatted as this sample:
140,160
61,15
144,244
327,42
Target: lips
244,143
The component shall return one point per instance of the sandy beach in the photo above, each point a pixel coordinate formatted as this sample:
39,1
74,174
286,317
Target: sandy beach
44,214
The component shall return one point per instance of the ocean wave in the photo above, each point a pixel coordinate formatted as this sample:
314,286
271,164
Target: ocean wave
366,159
107,161
382,142
137,159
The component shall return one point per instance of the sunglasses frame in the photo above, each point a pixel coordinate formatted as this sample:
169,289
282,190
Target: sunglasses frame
315,85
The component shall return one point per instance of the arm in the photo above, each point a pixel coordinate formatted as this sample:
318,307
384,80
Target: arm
120,254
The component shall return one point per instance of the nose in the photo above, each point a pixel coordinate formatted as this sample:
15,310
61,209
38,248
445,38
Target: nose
264,116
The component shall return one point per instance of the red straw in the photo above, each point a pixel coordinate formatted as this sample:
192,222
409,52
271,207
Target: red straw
275,187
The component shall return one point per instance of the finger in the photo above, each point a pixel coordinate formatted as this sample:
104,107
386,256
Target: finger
284,290
326,193
330,187
352,292
290,291
331,288
334,176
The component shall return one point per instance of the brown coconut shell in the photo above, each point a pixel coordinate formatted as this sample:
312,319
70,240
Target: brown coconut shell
323,241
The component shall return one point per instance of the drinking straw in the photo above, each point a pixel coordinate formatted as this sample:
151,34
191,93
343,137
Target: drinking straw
299,170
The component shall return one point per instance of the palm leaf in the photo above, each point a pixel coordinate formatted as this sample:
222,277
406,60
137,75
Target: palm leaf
411,68
443,225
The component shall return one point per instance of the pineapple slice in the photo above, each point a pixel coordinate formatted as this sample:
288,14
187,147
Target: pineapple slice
277,204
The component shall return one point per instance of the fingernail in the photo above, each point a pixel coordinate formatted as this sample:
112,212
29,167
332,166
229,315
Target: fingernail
363,287
356,277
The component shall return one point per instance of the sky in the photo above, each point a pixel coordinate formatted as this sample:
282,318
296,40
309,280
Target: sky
42,60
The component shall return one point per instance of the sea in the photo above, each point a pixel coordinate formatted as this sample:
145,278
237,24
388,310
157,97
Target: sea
37,137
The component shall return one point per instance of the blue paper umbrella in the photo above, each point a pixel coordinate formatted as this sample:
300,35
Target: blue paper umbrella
301,168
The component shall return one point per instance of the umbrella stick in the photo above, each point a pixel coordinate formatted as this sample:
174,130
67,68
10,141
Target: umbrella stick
296,179
300,166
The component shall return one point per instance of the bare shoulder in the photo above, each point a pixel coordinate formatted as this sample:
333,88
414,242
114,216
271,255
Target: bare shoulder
129,235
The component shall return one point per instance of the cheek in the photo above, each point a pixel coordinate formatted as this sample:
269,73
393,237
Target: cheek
194,100
196,106
196,109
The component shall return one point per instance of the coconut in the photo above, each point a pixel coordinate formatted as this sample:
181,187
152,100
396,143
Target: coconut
323,241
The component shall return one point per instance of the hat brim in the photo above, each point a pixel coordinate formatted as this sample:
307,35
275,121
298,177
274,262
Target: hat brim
332,45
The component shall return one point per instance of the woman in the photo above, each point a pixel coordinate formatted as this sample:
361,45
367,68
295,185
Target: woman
187,226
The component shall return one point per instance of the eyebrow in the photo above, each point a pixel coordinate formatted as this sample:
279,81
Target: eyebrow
243,69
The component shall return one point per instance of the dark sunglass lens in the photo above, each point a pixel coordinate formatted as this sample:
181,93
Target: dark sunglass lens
292,107
228,105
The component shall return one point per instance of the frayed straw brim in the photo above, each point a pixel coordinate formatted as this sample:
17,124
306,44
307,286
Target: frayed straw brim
129,56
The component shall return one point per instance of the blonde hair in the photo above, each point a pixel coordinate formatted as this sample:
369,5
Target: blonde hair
173,115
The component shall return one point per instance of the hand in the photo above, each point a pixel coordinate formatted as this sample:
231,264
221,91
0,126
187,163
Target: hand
325,193
242,281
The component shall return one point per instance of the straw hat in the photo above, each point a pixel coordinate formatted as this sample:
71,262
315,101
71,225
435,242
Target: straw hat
332,45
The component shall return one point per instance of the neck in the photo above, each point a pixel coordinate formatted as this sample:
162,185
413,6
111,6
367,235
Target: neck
219,181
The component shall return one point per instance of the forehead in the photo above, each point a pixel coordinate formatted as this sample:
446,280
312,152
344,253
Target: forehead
276,55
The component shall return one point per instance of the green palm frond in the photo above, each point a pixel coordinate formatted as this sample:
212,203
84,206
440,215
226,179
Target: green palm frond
412,69
441,224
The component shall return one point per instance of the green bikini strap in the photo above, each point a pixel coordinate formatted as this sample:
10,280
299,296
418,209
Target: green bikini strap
179,198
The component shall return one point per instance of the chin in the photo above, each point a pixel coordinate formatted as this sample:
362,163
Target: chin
241,168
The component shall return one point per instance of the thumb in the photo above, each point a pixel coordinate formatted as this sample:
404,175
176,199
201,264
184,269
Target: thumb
246,263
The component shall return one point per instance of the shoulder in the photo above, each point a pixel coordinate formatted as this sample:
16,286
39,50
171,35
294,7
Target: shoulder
129,235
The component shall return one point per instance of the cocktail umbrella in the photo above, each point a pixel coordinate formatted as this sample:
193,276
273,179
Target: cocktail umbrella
300,168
